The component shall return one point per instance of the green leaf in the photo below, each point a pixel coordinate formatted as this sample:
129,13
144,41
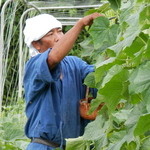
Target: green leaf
100,144
147,50
130,32
102,32
124,13
102,9
144,18
136,46
90,80
117,48
96,129
140,79
143,1
102,68
129,146
87,46
117,136
77,144
145,144
105,7
111,73
146,98
122,115
137,111
143,125
95,103
114,89
115,4
136,98
109,62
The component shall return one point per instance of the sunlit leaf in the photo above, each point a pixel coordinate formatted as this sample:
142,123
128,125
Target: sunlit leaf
102,68
143,125
145,144
115,4
77,144
102,32
140,79
96,129
105,7
144,17
90,80
113,90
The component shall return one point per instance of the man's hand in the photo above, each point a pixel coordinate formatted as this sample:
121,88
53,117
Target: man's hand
88,20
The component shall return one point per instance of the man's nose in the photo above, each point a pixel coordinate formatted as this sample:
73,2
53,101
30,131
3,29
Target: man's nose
57,37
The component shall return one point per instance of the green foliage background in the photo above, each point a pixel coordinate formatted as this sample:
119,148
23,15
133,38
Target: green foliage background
12,121
120,50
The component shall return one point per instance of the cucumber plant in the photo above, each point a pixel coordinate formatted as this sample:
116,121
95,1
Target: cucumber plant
120,51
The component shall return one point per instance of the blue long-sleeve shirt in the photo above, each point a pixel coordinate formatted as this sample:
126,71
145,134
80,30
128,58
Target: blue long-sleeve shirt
52,97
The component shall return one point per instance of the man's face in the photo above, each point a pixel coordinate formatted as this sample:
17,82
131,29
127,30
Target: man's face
49,40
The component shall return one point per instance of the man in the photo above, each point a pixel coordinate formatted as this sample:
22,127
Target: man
53,82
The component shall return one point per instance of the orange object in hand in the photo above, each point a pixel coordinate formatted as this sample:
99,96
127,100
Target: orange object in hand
85,107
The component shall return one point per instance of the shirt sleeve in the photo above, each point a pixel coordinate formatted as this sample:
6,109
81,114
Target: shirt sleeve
85,68
43,71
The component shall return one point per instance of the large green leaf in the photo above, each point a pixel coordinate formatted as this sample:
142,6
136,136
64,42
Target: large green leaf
105,7
117,139
145,144
144,19
146,98
133,54
136,98
129,146
140,79
126,9
147,50
126,42
111,73
87,47
77,144
143,125
102,68
122,115
136,111
114,89
102,32
135,47
115,4
90,80
96,129
132,28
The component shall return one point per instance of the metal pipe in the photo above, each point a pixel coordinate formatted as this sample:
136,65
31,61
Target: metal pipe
21,53
32,5
2,25
69,7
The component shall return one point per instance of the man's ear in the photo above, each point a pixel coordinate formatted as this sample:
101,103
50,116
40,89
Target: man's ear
36,45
